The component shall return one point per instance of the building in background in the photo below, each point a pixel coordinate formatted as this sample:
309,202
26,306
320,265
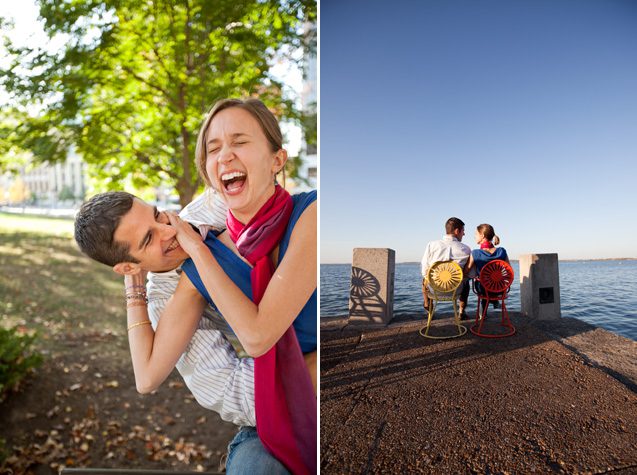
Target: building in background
47,185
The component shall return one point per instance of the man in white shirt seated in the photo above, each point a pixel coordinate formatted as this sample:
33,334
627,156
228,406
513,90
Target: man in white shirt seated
449,248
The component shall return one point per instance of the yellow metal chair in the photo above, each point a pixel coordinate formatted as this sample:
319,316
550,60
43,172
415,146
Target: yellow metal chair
441,283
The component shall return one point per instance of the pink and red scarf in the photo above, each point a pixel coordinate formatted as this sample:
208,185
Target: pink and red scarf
285,402
486,245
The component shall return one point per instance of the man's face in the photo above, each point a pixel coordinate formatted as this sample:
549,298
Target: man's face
150,237
459,233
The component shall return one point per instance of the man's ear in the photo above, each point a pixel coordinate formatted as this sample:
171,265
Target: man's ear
127,268
280,158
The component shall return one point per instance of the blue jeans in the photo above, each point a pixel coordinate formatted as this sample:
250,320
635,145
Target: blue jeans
248,456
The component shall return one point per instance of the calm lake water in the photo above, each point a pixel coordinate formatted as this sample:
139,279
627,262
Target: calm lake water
603,293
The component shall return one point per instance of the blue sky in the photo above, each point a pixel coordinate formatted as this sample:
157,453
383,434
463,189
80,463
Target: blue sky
521,114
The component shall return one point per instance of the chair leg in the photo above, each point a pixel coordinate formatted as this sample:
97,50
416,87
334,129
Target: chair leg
481,316
484,313
424,331
508,324
505,313
430,314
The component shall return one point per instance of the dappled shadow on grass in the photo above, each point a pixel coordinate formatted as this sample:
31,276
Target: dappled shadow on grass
49,285
81,410
81,407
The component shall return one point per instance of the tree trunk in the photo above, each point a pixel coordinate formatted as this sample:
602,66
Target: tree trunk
186,184
186,191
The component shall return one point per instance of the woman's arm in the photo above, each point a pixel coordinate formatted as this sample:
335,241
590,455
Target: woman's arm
155,353
260,327
469,265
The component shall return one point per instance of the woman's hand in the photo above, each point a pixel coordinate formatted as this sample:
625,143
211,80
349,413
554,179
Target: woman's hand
189,239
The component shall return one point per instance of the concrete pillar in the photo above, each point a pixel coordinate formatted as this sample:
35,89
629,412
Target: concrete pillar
371,297
540,286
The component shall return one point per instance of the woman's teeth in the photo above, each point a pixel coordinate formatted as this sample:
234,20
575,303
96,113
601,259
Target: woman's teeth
233,180
173,246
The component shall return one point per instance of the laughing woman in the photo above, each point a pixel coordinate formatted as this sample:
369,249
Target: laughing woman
239,153
260,275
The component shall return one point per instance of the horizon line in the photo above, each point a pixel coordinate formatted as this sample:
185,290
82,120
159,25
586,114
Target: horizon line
512,260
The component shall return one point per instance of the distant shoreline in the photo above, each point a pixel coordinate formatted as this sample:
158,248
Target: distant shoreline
512,260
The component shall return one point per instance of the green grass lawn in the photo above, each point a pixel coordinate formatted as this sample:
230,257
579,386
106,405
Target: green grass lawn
49,226
48,285
80,408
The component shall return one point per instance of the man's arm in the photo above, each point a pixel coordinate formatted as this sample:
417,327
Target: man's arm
207,209
467,263
218,379
425,261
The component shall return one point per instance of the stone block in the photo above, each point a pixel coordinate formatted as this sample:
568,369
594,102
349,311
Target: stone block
371,297
540,286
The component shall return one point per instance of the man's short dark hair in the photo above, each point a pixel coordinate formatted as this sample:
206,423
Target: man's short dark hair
452,224
95,226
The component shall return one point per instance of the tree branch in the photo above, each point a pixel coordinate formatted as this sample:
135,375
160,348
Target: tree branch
151,85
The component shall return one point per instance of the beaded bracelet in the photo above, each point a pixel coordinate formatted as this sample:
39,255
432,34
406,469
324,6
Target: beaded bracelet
135,287
136,296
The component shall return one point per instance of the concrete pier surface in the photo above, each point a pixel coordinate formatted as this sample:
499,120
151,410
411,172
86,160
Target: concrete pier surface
557,397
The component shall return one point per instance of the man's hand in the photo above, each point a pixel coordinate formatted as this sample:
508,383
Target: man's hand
189,239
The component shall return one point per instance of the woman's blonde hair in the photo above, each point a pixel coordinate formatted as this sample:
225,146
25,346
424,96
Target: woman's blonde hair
257,109
489,233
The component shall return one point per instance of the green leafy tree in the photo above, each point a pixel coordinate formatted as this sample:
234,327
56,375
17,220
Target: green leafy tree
13,157
135,79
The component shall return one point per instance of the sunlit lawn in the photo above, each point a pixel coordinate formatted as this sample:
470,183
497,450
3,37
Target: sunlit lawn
81,407
48,285
21,223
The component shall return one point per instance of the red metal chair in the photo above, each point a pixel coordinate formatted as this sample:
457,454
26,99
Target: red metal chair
493,285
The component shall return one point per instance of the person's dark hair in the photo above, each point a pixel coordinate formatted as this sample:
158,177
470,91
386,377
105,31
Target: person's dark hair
452,224
489,233
95,226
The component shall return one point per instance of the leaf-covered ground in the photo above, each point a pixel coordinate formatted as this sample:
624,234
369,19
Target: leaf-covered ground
80,408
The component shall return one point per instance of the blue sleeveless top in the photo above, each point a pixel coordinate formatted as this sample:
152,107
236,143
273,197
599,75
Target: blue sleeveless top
239,273
482,257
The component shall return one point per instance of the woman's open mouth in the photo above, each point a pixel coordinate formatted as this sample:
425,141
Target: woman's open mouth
233,182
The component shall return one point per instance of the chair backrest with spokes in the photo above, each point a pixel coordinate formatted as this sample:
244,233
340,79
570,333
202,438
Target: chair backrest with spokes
444,276
496,277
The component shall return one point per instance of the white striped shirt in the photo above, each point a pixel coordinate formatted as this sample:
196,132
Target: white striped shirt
216,376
